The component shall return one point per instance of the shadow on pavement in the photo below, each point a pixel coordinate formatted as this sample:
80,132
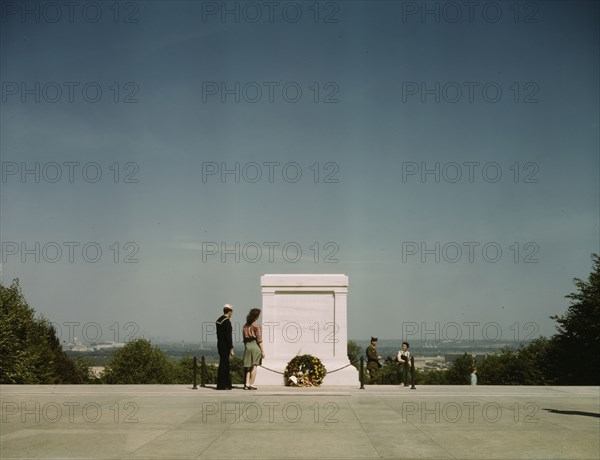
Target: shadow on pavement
573,412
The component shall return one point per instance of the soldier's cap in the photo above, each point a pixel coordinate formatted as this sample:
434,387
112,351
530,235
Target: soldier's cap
374,339
227,308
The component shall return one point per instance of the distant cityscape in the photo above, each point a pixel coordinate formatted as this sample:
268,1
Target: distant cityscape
78,346
428,355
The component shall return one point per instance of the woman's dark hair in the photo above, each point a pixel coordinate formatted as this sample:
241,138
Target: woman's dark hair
253,315
406,343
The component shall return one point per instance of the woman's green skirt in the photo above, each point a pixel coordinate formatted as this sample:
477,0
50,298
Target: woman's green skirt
252,354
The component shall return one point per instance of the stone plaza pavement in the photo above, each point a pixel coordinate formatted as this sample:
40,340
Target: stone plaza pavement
177,422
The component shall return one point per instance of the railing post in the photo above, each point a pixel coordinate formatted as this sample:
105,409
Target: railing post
195,387
412,373
203,373
362,373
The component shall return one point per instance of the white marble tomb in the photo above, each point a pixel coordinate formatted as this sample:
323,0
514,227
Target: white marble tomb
305,314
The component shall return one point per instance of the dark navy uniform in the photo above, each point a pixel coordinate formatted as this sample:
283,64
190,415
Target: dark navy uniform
224,346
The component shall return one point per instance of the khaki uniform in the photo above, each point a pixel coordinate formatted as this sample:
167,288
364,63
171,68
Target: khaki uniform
372,363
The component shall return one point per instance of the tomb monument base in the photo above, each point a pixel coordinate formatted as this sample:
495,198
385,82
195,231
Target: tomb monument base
305,314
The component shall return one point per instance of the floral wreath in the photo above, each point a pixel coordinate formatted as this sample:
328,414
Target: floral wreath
304,371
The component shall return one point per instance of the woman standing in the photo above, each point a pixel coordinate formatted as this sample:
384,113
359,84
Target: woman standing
253,351
406,363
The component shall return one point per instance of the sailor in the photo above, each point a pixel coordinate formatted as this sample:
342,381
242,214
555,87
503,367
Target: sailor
225,348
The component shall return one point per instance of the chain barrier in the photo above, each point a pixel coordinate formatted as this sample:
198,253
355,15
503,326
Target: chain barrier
329,372
277,372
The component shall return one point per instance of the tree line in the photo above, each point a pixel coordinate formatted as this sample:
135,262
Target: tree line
31,353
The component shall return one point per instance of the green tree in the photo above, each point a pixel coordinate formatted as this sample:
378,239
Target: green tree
138,362
30,351
500,369
354,353
577,343
537,357
237,370
388,373
431,377
459,370
185,371
211,374
528,365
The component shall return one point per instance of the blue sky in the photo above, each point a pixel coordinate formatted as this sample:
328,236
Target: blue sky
172,119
